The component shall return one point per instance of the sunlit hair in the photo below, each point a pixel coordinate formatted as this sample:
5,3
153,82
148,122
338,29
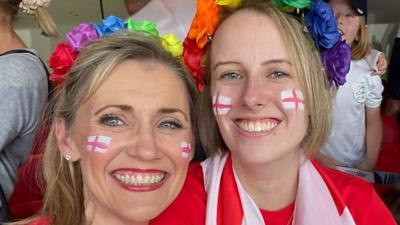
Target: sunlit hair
308,67
42,17
360,46
64,198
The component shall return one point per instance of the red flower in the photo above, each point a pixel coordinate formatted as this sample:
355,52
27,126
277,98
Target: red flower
61,61
192,56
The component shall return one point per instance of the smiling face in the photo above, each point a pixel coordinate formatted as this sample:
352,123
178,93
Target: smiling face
262,111
347,19
133,139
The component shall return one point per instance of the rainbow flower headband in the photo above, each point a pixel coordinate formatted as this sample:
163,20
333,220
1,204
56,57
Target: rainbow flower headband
64,55
316,14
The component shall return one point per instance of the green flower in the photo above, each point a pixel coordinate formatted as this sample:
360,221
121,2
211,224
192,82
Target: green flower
290,5
145,26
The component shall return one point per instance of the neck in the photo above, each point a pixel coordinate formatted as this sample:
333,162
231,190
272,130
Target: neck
272,185
9,40
97,215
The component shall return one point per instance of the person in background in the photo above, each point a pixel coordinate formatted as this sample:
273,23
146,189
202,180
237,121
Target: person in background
23,88
263,113
172,16
356,132
393,103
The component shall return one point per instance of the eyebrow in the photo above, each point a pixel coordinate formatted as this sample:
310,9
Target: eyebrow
126,108
273,61
173,110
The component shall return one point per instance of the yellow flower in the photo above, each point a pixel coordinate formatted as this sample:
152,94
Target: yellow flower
232,4
172,45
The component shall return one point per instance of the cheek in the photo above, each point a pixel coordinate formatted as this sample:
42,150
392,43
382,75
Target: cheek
98,144
292,100
186,149
222,101
179,148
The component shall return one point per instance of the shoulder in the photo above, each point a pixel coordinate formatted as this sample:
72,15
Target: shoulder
22,68
189,207
357,195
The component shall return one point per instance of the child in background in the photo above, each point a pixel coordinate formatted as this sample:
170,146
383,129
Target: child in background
356,132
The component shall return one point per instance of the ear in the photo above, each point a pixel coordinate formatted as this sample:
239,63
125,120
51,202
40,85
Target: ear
65,144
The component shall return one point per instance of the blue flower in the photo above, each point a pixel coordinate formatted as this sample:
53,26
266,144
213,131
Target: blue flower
110,25
321,24
337,62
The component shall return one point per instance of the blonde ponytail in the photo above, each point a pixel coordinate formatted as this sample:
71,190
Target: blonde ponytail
46,22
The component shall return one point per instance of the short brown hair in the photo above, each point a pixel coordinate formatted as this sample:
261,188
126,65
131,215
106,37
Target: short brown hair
308,66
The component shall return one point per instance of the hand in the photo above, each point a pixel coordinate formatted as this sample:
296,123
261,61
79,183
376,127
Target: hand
328,161
381,65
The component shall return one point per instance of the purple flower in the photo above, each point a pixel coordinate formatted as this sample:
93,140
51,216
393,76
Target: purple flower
321,24
80,35
110,25
337,62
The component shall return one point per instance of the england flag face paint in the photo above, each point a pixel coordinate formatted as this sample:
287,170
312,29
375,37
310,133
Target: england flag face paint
98,144
292,99
186,149
221,104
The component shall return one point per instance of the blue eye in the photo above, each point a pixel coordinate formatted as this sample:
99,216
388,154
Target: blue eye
230,76
279,74
111,120
170,124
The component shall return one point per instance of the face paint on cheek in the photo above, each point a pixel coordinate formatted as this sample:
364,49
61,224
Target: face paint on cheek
186,149
98,144
292,99
221,104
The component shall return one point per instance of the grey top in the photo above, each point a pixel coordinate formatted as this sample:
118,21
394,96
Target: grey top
23,93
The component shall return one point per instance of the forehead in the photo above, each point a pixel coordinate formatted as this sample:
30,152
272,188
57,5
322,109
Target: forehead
147,82
248,34
341,4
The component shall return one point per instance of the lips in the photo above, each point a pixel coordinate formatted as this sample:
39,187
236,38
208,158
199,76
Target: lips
257,126
139,180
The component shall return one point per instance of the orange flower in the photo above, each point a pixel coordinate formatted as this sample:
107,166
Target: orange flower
205,22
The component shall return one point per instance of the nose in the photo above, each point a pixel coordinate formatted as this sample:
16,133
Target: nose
254,94
144,146
339,19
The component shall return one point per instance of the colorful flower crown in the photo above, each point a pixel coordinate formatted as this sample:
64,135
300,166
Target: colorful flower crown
64,54
316,14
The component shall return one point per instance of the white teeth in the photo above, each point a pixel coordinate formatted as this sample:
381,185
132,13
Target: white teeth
139,179
259,126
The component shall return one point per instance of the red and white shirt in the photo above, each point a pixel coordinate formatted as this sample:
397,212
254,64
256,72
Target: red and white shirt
324,197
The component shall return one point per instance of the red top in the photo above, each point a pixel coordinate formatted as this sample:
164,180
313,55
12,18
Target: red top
365,206
41,221
280,217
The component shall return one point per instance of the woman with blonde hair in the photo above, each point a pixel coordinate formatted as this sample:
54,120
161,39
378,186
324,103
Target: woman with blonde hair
121,136
264,112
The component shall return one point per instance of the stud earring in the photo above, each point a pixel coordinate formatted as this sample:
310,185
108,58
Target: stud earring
67,157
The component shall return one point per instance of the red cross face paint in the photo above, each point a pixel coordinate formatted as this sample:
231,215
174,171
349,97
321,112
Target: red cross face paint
98,144
186,149
292,99
221,104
